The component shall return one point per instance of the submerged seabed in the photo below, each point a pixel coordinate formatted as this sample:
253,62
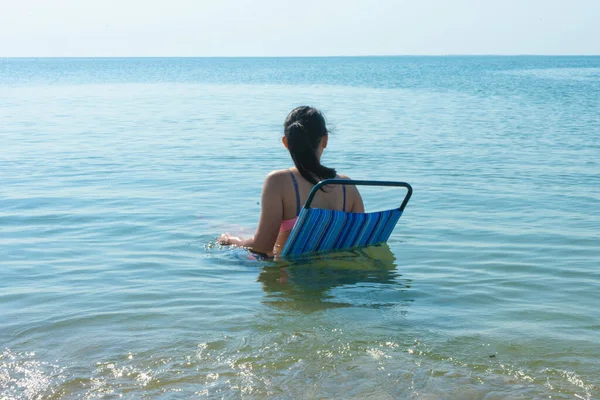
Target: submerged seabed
116,176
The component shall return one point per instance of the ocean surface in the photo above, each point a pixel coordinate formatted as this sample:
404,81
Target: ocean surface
117,176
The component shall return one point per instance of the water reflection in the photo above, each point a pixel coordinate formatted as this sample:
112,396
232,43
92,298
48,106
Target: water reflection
360,277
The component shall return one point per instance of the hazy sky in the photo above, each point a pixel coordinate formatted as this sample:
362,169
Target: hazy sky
297,28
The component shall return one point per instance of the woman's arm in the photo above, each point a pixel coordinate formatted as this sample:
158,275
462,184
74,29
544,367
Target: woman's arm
271,215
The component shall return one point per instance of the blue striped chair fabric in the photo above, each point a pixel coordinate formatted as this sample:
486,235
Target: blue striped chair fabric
319,230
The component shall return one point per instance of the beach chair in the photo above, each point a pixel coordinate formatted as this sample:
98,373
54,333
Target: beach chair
320,230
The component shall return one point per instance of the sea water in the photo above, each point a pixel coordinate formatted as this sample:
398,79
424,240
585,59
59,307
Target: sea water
117,176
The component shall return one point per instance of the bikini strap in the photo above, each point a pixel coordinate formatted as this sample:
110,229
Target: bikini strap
297,193
344,189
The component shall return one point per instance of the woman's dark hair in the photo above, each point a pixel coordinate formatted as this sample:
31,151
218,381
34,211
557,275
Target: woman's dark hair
304,128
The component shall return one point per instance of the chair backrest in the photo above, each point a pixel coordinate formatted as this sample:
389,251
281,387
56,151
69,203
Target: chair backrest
319,230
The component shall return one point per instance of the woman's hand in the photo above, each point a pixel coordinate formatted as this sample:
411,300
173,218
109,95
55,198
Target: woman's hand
227,239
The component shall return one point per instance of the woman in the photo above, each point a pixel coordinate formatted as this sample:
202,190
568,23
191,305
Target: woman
285,191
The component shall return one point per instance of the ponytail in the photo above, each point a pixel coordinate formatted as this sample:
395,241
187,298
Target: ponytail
304,130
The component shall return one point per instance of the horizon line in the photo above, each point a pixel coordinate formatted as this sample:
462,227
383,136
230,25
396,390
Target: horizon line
321,56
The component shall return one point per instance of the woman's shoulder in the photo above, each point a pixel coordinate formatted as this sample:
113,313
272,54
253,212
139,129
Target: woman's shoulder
279,174
351,187
277,177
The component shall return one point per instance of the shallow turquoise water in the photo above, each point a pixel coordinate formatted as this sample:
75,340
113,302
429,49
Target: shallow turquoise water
116,176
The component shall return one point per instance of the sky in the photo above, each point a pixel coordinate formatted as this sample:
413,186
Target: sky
207,28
